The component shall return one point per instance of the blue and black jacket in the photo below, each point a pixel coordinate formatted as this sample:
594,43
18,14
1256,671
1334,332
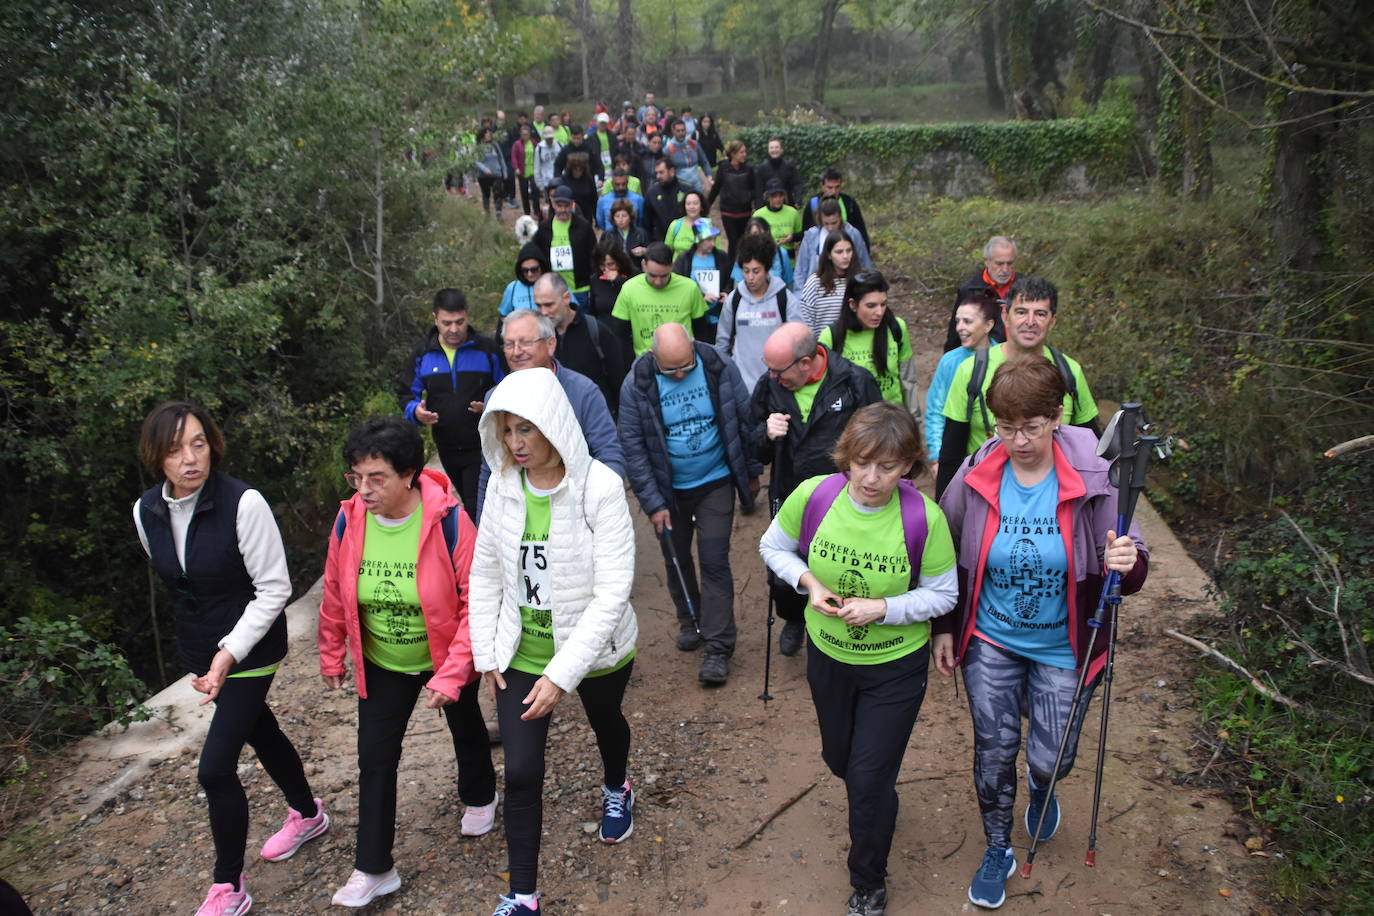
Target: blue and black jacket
449,389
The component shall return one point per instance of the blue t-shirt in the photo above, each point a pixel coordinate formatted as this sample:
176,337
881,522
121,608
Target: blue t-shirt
517,296
1023,605
695,453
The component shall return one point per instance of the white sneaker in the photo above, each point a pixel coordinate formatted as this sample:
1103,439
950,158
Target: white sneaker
363,888
480,819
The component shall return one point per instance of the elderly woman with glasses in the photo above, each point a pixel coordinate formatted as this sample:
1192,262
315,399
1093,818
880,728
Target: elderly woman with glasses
1033,515
396,604
212,539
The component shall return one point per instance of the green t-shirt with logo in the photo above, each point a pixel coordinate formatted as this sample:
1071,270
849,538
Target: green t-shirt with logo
645,307
860,552
858,349
536,647
1076,410
560,252
394,634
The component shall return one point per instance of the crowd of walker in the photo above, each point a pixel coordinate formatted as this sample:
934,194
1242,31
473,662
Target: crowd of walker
635,349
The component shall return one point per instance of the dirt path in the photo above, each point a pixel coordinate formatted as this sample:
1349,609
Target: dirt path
124,832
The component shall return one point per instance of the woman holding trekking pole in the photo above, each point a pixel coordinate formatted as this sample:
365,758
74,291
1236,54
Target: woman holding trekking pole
1032,516
876,559
551,613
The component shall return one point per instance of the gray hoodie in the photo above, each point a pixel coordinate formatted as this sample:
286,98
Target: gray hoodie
746,322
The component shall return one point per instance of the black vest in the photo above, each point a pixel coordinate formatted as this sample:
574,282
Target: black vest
209,596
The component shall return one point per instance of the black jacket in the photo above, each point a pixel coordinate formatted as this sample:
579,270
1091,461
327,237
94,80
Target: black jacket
645,439
852,215
582,238
975,283
590,347
209,595
711,145
734,187
771,168
591,147
805,450
663,205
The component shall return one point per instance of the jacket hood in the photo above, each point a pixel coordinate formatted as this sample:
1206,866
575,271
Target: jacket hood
527,251
775,285
538,396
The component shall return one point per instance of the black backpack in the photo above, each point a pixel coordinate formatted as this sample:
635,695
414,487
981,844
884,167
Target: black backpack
980,372
734,308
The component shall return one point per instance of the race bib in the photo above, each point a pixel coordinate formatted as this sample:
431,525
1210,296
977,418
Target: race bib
562,257
708,280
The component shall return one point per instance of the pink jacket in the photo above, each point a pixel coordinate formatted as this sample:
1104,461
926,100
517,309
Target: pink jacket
442,582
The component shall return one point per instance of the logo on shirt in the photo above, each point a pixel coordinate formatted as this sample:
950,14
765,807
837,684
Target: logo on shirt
1027,576
542,619
387,600
838,405
857,634
852,585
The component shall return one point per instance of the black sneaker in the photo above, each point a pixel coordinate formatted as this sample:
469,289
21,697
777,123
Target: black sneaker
688,641
715,669
867,903
792,636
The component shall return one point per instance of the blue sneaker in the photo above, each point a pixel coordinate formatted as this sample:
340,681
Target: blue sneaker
617,813
989,887
510,906
1041,799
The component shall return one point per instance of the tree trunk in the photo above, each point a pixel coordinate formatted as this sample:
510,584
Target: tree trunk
1299,191
379,196
584,13
628,32
828,10
988,35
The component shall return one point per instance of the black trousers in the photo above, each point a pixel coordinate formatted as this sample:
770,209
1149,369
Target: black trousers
529,196
866,713
242,717
523,743
734,227
463,466
492,186
382,720
708,511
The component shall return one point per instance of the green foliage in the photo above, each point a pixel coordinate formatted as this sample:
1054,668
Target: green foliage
59,682
1022,157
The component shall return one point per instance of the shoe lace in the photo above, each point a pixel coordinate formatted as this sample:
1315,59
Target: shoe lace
994,865
614,801
358,880
219,898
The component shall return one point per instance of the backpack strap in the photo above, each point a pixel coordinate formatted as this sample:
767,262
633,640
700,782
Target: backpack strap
594,332
782,303
1065,373
819,503
734,313
914,525
449,524
975,388
340,526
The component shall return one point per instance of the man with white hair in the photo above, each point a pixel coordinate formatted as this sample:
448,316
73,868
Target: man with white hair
997,275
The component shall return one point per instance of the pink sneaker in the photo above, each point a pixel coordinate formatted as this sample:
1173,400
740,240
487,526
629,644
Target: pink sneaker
295,833
363,888
223,900
480,819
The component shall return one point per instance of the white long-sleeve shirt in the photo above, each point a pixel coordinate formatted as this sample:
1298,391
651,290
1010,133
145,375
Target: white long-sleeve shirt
264,557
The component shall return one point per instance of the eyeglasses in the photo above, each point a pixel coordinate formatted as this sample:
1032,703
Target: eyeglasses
529,343
369,482
532,269
662,370
778,373
1032,431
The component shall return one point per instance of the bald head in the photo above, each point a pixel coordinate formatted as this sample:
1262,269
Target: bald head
673,350
790,355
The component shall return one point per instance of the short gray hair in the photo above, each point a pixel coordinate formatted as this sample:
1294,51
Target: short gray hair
554,281
546,328
996,242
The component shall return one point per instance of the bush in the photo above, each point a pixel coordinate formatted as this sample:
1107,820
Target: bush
58,683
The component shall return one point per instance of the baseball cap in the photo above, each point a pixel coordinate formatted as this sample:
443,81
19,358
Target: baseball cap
563,193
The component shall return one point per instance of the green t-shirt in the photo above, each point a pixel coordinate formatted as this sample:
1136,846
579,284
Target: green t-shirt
680,236
858,349
536,648
784,221
634,185
857,552
529,156
806,396
561,253
394,635
1076,410
536,607
645,308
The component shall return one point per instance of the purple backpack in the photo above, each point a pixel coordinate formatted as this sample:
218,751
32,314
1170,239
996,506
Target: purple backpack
913,517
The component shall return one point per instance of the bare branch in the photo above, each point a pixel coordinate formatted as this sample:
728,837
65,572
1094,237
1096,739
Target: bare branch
1315,658
1255,682
1350,445
349,248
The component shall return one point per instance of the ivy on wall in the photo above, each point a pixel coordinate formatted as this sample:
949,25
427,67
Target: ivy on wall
1021,157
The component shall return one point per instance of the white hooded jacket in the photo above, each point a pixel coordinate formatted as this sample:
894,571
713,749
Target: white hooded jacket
591,543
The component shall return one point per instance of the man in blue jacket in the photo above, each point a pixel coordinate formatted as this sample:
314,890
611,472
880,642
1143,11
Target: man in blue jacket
620,190
686,425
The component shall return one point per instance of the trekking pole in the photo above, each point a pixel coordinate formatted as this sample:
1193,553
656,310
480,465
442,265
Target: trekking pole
1140,465
773,504
1125,425
667,536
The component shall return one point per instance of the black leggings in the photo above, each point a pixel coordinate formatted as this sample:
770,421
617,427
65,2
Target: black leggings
524,748
382,720
242,717
734,228
492,186
529,197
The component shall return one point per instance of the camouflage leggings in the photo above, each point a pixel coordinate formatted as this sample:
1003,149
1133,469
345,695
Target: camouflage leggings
1002,687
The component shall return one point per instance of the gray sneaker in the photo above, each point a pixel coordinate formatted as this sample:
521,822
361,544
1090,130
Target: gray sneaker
715,669
791,638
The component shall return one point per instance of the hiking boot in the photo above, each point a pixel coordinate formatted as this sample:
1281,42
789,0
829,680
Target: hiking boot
1041,800
295,833
223,900
688,641
617,813
792,636
510,906
363,888
715,669
989,886
867,903
479,819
